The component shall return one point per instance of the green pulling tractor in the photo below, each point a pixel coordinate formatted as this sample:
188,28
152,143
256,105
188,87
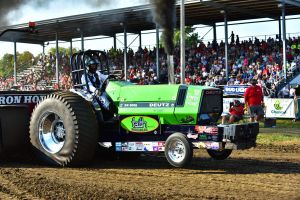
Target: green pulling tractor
66,128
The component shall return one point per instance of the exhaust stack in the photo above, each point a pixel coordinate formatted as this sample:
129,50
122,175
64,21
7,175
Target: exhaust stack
171,76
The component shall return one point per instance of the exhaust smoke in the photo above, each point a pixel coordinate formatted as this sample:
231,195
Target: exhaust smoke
11,10
164,15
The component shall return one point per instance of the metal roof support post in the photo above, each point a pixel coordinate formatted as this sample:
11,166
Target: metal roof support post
157,54
226,43
125,52
214,33
71,48
115,41
82,42
182,43
140,38
283,40
43,55
279,30
56,62
43,49
15,63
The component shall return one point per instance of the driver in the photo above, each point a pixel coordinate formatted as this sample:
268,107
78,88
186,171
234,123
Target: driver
95,79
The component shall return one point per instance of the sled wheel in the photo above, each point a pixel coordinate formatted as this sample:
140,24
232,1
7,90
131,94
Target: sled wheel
178,150
219,155
64,130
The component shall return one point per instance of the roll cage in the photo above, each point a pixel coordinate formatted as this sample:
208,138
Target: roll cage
79,68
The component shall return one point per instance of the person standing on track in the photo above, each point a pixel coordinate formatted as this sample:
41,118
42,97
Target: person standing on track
254,100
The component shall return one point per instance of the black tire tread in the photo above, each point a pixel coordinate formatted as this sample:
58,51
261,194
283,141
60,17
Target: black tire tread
86,128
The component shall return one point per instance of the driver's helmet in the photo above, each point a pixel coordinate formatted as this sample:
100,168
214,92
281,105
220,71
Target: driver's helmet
91,65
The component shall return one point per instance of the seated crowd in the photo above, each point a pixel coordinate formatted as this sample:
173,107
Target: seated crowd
205,65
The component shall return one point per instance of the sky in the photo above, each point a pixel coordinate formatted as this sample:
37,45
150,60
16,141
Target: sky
23,13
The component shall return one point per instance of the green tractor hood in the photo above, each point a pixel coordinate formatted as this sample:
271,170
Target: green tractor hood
172,104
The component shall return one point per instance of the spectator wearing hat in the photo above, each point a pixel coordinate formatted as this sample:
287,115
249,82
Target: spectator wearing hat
254,100
236,112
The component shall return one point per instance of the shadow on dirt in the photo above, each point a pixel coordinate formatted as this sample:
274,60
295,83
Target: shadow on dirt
152,162
205,165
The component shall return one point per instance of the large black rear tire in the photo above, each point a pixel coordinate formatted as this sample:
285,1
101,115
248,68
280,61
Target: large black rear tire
64,130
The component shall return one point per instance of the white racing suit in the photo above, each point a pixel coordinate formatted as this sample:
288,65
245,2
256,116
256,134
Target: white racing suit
95,82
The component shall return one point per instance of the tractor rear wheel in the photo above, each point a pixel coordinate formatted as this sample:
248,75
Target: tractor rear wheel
178,150
64,130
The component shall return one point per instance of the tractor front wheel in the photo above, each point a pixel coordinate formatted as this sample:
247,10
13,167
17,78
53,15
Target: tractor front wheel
178,150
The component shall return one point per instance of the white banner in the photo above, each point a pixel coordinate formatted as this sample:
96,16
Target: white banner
280,108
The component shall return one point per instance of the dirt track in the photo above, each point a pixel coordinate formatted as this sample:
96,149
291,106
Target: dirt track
267,172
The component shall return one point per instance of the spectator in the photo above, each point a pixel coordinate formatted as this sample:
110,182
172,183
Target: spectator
236,112
292,92
285,92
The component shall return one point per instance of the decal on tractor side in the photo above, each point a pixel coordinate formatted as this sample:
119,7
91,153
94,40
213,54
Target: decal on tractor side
19,99
209,130
140,146
139,124
147,104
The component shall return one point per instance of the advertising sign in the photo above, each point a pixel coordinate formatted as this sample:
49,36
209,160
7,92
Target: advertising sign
139,124
280,108
235,89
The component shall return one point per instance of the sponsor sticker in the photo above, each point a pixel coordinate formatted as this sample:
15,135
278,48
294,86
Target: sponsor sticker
192,136
140,146
210,130
118,148
139,124
202,137
207,145
155,148
118,144
212,145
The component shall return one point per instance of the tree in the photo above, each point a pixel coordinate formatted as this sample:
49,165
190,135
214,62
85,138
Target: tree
7,65
191,38
25,60
62,50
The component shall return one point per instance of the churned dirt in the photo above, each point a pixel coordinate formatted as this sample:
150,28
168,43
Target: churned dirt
265,172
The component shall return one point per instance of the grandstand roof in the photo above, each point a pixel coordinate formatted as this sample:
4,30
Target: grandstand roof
139,18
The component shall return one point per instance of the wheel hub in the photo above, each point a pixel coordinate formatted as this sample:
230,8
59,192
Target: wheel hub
177,151
51,132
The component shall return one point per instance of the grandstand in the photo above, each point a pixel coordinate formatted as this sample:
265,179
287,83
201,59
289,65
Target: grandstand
205,64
